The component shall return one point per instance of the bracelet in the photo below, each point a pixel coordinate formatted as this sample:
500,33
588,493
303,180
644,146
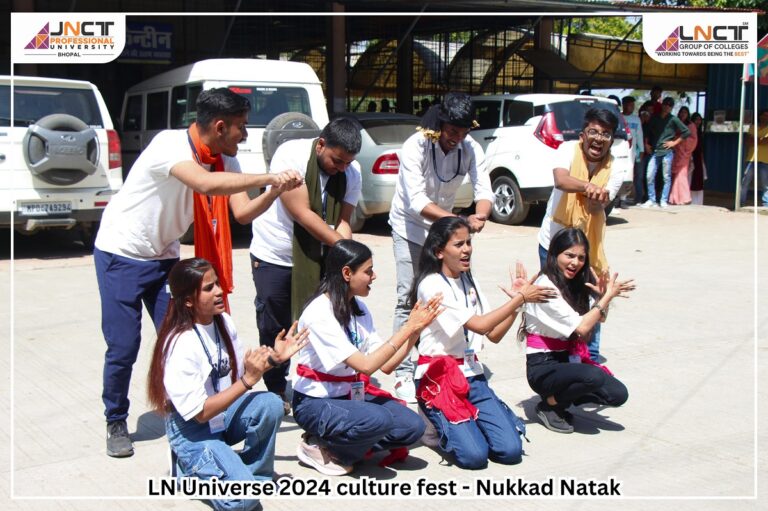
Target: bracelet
272,362
248,387
393,346
603,313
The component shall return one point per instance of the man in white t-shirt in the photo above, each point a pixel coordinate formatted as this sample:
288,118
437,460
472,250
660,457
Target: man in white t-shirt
433,164
137,243
635,126
300,224
595,143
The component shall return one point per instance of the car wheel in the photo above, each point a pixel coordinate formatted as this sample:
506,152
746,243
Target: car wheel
508,206
357,220
287,126
88,231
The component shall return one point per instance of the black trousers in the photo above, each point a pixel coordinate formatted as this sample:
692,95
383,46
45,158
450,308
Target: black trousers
550,374
273,312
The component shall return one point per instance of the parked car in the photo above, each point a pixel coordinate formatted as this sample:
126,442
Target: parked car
274,87
60,160
383,134
522,135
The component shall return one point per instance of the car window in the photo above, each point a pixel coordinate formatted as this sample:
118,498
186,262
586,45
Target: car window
183,101
269,102
133,110
33,103
569,116
517,113
157,111
487,114
389,131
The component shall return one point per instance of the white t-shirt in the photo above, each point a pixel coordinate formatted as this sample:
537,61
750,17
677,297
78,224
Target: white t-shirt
635,125
330,345
548,226
145,219
188,369
555,318
445,335
273,231
418,183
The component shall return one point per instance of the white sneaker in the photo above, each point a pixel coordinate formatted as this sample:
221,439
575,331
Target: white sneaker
648,204
320,459
664,205
405,389
430,437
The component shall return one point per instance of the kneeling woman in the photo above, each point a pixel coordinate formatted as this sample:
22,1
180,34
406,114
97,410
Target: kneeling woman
472,423
199,378
344,418
559,368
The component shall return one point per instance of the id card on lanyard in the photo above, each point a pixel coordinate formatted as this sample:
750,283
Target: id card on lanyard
217,423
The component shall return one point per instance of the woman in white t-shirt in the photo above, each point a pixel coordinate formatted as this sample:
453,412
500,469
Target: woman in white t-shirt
199,379
343,416
558,364
473,424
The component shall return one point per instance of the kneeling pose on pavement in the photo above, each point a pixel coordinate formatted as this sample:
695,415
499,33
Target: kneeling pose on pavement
559,368
344,417
472,423
199,378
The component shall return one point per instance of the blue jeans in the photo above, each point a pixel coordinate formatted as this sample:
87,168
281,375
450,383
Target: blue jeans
349,429
762,180
254,417
406,264
639,180
124,284
665,160
495,434
594,342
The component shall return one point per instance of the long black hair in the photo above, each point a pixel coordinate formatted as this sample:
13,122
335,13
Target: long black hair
343,253
574,290
185,280
437,238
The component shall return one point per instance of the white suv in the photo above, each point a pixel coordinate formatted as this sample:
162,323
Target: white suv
522,135
60,159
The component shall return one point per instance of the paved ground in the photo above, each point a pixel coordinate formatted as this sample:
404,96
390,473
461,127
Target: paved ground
684,344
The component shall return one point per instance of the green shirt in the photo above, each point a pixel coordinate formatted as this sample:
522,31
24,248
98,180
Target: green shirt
663,129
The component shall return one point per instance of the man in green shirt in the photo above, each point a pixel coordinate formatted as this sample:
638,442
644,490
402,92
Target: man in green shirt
663,132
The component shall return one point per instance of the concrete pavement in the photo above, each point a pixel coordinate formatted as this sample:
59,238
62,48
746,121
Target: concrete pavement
684,344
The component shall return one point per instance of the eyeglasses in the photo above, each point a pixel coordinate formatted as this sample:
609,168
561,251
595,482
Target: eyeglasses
603,135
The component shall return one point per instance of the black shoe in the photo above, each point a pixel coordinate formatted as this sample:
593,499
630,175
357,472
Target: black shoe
286,404
119,444
554,419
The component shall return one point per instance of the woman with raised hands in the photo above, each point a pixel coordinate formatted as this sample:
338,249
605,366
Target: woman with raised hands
471,422
344,417
559,368
200,378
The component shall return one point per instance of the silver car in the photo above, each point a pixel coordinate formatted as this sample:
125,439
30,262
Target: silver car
383,134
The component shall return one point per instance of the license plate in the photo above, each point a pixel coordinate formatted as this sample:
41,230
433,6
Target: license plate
45,208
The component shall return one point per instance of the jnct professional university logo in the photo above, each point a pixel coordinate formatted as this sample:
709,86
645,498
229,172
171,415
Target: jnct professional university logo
81,38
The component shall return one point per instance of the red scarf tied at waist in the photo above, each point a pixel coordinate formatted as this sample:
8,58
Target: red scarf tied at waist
308,372
575,347
444,387
213,241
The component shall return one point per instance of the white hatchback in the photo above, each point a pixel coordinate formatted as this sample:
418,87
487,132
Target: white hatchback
522,136
60,159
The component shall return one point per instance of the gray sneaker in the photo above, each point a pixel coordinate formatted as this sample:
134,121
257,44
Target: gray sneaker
554,419
119,444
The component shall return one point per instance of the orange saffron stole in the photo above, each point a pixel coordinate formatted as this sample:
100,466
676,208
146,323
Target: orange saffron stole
213,243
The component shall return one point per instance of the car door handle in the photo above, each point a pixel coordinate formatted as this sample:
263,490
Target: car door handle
490,138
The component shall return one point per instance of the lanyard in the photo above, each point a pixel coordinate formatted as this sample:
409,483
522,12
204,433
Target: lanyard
466,301
434,165
352,335
217,367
